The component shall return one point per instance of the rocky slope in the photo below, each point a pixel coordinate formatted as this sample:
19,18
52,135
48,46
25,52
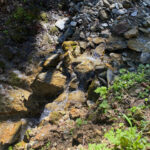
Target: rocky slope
53,55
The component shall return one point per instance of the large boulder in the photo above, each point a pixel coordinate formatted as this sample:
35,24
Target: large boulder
12,101
49,84
9,133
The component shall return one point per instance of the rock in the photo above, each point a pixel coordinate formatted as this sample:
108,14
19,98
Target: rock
91,94
140,44
9,133
73,49
146,31
116,58
12,101
73,23
77,97
67,34
146,23
147,2
110,76
61,23
83,45
106,3
69,45
55,116
121,27
121,11
127,4
103,15
134,13
49,83
131,33
51,61
40,135
100,50
84,67
77,113
73,84
116,43
145,58
98,40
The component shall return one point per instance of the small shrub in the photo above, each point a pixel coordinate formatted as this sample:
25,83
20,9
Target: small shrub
128,139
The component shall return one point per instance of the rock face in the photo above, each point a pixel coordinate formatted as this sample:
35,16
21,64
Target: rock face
49,84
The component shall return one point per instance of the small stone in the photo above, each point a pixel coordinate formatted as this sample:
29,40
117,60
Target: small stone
103,14
51,61
133,14
73,23
145,58
121,11
83,45
112,6
61,23
98,40
106,3
131,33
104,25
127,4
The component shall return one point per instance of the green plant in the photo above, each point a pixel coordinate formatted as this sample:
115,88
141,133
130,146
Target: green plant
80,122
103,91
98,147
127,139
128,119
144,94
10,148
104,106
125,81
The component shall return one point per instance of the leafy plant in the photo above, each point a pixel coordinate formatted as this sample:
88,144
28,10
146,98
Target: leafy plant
80,122
125,81
98,147
103,91
104,106
128,139
10,148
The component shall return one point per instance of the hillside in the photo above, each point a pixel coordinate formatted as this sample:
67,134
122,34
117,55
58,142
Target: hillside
74,74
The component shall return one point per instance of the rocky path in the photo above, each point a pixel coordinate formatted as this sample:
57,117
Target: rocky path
53,55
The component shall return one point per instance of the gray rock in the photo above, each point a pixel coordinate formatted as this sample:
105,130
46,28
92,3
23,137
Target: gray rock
103,14
73,23
147,2
61,23
145,58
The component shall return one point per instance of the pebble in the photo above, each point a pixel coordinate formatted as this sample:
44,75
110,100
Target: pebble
73,23
133,14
